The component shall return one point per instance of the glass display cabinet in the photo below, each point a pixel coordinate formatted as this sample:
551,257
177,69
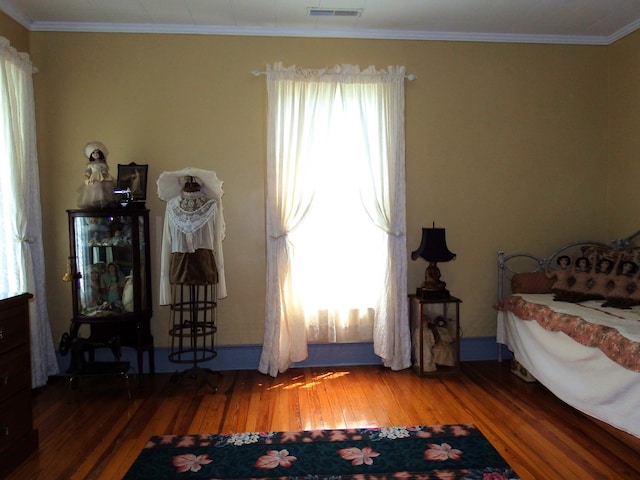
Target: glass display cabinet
435,335
109,269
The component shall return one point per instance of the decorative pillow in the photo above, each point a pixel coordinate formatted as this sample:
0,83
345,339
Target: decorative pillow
601,273
580,283
531,282
596,253
630,254
625,286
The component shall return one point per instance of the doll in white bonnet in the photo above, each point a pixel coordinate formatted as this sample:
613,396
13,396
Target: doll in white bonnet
98,187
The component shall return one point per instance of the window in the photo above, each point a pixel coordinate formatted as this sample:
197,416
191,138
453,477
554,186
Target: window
20,217
10,260
339,254
336,244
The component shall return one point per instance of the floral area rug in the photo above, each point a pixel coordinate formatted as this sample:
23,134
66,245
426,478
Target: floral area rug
443,452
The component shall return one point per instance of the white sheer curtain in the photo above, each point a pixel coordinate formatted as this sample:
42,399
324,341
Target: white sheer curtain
340,128
22,262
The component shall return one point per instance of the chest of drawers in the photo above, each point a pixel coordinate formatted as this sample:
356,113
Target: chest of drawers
18,438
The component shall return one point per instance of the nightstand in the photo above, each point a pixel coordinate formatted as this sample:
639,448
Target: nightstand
435,335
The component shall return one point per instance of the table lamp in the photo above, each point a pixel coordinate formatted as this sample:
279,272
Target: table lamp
433,248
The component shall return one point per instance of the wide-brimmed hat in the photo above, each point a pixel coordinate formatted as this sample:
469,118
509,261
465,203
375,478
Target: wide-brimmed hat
90,147
170,183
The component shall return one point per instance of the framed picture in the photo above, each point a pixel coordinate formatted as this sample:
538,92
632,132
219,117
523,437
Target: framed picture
133,177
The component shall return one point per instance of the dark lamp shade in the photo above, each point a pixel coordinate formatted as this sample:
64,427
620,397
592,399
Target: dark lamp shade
433,247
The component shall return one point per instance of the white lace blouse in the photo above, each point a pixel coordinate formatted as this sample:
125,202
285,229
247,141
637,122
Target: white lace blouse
190,223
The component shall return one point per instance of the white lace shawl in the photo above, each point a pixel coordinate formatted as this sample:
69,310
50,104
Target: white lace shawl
190,221
210,235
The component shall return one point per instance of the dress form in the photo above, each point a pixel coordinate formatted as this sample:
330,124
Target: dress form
171,188
193,279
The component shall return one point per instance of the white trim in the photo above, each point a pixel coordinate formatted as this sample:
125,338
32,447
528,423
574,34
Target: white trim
17,15
333,33
246,357
632,27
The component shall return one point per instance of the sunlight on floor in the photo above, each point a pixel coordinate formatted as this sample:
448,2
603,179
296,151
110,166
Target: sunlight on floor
298,382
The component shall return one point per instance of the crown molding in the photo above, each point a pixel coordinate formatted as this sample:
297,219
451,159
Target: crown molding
17,15
324,33
623,32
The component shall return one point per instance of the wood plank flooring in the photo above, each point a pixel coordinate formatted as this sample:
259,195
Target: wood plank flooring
96,432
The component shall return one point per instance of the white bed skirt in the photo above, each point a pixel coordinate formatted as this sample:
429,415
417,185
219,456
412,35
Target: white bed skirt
581,376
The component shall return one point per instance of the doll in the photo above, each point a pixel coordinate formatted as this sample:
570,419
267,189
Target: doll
94,290
443,348
563,275
113,284
98,187
624,286
428,342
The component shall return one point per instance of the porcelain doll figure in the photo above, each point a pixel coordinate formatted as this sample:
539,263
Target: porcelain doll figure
564,275
113,284
94,291
98,187
622,285
583,274
590,279
428,342
116,240
443,348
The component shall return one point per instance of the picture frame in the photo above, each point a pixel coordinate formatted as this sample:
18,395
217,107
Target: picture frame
134,177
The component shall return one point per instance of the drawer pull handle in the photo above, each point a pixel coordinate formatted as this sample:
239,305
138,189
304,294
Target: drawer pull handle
4,378
1,334
4,430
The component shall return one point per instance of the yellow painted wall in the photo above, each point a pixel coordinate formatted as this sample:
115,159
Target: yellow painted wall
17,35
505,146
624,133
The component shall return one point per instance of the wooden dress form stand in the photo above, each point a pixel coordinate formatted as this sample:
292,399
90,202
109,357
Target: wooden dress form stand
193,330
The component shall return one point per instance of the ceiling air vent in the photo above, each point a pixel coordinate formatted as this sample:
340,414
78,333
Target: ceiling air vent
334,12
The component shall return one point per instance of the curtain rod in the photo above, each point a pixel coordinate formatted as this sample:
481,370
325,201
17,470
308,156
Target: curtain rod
411,77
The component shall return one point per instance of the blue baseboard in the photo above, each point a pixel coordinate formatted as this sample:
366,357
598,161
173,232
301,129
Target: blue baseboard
247,357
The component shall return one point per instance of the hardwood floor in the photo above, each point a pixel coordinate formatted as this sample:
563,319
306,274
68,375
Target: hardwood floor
96,432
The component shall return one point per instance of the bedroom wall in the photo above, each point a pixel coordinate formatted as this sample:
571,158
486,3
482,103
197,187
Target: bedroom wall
505,146
17,35
623,194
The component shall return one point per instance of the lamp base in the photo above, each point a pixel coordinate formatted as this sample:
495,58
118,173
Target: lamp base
425,294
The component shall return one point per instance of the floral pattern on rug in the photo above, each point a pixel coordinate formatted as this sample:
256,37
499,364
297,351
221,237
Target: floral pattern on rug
436,452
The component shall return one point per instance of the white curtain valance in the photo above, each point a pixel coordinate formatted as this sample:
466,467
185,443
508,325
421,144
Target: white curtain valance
342,73
336,70
20,58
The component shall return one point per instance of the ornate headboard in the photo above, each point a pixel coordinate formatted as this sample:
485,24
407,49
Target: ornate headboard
620,249
509,265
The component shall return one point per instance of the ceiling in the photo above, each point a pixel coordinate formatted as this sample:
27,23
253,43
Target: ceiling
594,22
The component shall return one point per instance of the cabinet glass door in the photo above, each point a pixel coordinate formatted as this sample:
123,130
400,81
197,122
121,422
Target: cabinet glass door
104,250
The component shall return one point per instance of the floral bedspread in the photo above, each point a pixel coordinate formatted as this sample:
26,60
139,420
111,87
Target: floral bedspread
615,337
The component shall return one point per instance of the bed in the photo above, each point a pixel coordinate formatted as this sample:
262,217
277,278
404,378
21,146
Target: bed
572,322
